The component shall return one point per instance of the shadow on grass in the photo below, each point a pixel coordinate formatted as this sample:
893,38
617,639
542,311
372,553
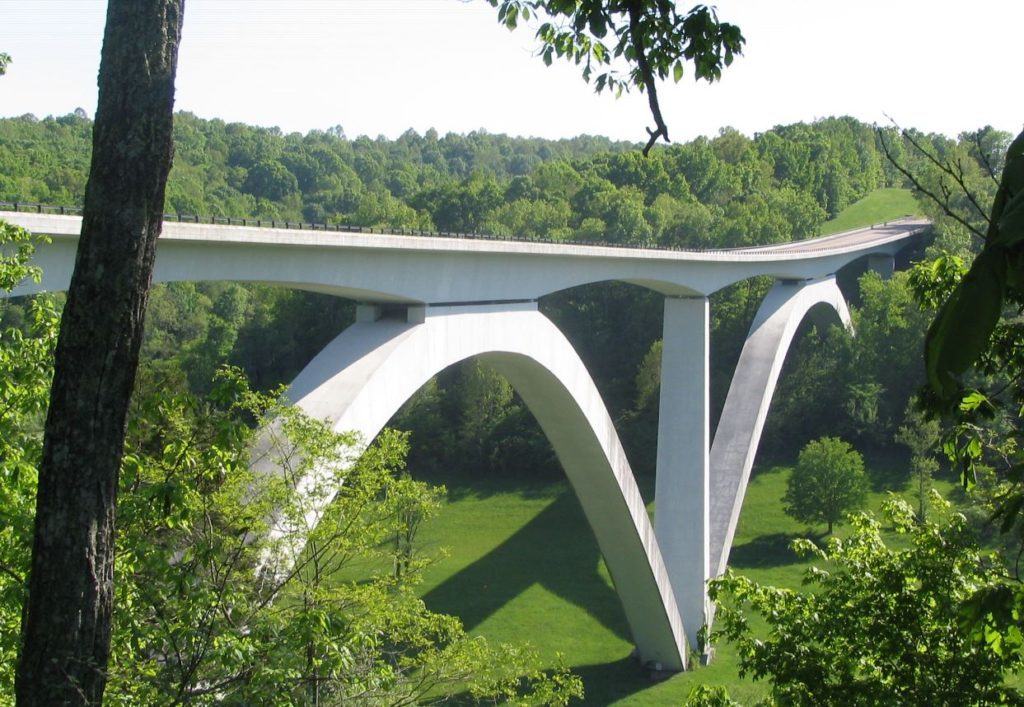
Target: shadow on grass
556,550
604,683
772,550
463,485
887,471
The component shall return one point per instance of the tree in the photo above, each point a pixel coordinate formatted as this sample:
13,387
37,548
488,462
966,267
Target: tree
66,634
5,61
197,622
651,35
973,347
26,356
878,624
828,482
921,435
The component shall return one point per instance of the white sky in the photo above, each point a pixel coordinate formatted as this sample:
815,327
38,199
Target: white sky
383,66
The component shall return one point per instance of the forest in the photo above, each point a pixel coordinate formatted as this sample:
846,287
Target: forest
728,191
731,190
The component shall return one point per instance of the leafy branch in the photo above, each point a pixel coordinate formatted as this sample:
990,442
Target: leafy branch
652,37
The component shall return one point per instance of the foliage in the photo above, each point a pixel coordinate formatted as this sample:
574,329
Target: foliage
878,624
973,349
729,190
26,361
967,318
827,482
25,373
710,696
651,35
5,61
214,604
16,248
921,436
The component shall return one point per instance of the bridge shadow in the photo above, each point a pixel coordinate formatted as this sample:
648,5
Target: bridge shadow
604,683
555,550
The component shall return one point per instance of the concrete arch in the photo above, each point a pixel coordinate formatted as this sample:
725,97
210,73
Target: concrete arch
362,377
750,395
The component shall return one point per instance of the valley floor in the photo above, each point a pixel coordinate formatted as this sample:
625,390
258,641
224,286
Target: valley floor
520,564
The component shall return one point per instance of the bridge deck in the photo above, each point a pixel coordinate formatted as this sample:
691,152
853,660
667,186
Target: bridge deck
65,225
432,269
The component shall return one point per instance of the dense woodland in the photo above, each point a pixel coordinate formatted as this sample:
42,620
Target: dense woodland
728,191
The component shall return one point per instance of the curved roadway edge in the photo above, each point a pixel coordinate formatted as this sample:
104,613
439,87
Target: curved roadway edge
362,377
415,269
750,394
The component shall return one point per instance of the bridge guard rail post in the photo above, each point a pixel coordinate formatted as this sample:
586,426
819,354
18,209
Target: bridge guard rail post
681,489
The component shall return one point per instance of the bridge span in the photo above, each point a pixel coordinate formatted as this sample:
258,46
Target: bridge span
427,302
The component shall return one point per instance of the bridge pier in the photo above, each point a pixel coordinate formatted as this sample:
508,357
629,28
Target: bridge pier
882,263
681,519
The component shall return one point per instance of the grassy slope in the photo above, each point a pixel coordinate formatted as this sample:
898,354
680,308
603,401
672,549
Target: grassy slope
877,207
522,564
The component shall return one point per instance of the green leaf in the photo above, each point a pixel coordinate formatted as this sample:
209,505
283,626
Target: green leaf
964,324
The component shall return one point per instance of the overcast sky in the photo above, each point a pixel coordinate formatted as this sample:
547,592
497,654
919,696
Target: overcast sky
383,66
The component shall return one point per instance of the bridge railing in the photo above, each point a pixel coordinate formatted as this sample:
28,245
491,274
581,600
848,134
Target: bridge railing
38,208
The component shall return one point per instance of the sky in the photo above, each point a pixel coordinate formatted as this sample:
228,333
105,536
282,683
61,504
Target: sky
381,67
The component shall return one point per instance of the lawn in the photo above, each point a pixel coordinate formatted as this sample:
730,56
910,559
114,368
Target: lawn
877,207
521,564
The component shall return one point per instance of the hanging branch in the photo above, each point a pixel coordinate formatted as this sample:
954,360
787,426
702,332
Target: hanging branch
942,202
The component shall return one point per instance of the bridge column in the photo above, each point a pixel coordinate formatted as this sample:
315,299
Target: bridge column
883,264
681,488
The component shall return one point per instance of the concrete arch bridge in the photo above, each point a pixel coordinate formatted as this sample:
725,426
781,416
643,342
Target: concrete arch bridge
429,301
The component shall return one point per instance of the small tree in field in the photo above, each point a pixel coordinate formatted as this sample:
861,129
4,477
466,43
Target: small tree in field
827,483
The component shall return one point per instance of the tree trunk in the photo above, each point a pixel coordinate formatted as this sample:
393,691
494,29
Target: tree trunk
66,633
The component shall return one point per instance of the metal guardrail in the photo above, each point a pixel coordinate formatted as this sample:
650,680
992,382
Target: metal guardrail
33,207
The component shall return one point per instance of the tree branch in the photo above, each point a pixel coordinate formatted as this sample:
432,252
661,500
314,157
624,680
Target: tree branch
647,76
942,203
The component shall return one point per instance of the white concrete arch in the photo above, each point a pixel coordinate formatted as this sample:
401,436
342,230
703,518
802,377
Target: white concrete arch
750,395
362,377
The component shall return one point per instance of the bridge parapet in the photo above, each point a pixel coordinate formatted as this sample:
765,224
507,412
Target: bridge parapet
432,270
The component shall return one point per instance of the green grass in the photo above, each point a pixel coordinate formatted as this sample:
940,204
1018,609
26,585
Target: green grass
521,564
877,207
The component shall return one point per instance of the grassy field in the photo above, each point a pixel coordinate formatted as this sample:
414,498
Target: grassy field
877,207
521,564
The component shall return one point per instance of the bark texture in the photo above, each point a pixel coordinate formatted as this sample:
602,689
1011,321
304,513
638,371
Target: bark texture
66,632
